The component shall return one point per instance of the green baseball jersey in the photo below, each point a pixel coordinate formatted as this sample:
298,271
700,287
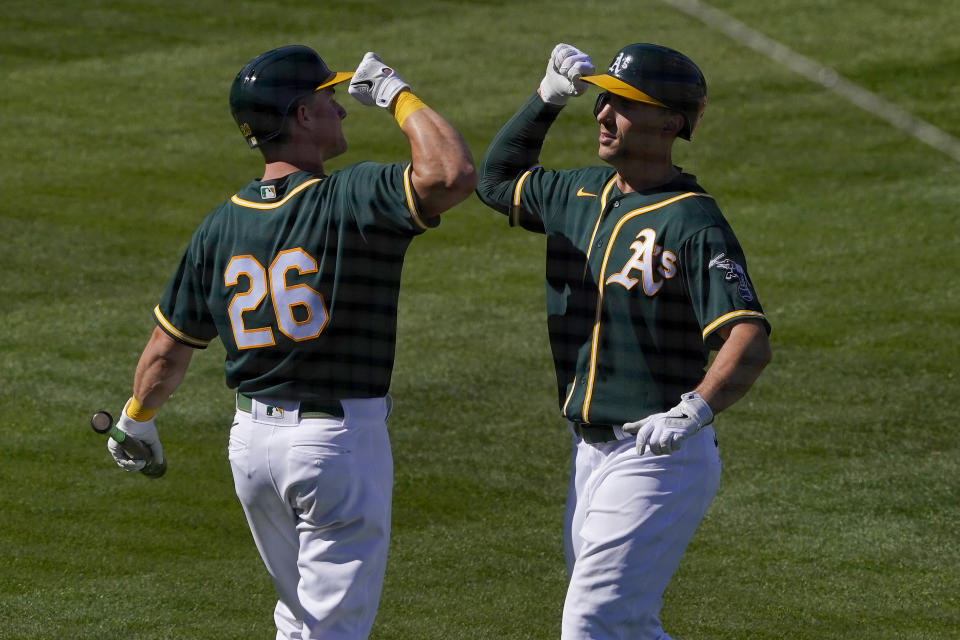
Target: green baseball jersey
637,284
300,278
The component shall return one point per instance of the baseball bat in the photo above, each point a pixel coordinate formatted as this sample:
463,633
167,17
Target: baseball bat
102,423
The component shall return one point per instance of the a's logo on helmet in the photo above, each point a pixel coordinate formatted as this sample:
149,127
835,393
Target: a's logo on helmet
245,130
618,64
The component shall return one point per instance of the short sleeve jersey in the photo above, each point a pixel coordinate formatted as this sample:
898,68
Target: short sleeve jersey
637,285
300,278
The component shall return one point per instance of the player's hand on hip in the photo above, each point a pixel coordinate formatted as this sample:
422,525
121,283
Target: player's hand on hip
374,83
562,79
145,432
665,432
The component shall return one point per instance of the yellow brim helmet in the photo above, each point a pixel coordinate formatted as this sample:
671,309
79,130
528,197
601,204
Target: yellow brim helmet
660,76
264,90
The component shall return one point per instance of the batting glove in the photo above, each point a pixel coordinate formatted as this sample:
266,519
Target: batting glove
562,80
374,83
145,432
665,432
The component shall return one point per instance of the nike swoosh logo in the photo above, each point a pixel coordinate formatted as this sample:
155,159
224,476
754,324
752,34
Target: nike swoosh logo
367,83
582,193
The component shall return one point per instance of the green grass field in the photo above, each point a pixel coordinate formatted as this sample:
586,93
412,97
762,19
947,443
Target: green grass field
838,515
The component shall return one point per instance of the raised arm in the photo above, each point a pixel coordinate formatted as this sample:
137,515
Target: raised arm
514,149
443,173
517,145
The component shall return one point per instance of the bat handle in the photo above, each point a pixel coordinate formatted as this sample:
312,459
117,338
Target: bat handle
155,469
133,447
102,422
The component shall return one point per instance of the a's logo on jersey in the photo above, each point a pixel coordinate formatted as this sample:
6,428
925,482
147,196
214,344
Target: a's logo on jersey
585,194
650,260
268,192
734,272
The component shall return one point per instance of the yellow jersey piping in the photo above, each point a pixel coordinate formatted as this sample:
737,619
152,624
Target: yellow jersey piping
236,199
588,395
603,205
744,313
179,335
515,206
411,200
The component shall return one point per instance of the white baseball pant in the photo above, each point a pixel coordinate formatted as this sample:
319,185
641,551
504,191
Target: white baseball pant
317,496
627,523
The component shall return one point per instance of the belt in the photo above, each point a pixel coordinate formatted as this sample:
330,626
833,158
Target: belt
307,409
596,433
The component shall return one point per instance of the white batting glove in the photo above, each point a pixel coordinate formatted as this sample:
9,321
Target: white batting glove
145,432
374,83
562,80
665,432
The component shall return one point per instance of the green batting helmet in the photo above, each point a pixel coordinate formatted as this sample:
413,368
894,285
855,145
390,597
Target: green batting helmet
659,76
266,88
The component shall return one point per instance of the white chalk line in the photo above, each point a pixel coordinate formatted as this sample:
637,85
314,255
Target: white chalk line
822,75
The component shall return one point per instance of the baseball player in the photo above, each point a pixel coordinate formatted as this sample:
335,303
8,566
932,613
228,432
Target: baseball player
298,275
644,278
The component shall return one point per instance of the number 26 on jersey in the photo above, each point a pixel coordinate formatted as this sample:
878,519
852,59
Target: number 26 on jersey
307,324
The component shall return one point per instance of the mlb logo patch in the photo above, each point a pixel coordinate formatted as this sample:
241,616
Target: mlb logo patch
268,192
274,412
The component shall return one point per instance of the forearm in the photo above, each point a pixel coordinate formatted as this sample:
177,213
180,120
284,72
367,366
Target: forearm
443,173
737,365
160,370
514,149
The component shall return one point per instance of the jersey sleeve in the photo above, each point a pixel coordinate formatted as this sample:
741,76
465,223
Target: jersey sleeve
510,164
537,199
383,195
183,312
715,272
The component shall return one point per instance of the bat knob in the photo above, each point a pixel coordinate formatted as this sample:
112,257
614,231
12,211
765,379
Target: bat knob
101,422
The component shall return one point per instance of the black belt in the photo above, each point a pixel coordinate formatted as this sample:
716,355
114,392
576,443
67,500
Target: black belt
307,409
595,433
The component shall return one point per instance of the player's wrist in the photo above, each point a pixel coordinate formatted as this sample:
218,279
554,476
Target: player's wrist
136,411
374,83
558,104
550,96
694,404
404,104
